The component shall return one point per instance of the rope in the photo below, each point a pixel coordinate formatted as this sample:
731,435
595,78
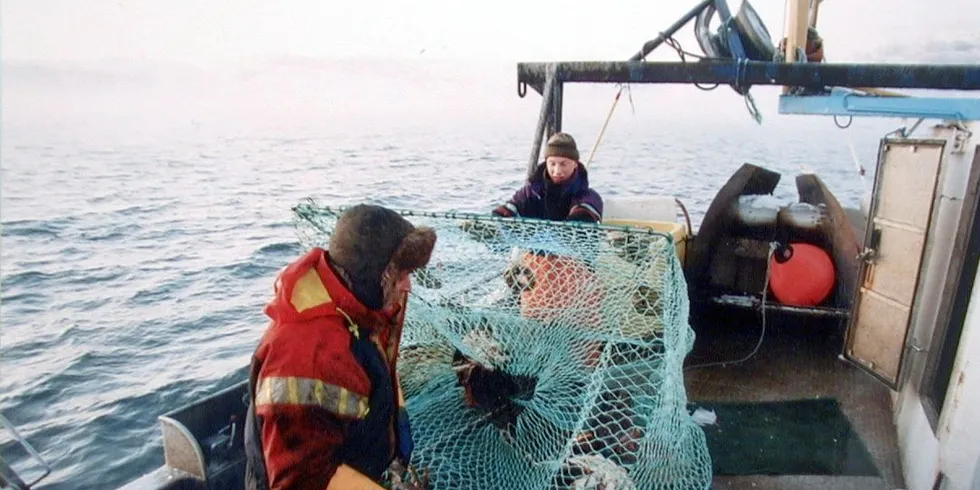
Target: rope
670,41
762,308
753,110
857,164
604,125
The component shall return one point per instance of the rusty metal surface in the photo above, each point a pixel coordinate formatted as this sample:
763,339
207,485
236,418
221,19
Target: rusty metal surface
755,303
544,119
949,77
844,242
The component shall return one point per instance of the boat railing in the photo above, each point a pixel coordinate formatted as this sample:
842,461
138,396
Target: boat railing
10,478
203,444
199,438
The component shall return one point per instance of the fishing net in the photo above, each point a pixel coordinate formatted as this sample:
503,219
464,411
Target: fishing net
545,355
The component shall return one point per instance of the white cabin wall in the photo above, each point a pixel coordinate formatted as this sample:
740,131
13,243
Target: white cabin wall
959,431
919,446
947,206
925,453
955,448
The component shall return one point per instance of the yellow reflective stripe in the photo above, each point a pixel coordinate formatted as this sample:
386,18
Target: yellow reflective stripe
309,292
342,404
292,391
263,395
319,391
311,392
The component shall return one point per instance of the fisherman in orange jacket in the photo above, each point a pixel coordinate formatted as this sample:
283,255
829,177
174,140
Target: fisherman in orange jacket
326,410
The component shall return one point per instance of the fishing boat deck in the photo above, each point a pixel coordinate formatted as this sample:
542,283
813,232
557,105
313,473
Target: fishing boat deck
797,360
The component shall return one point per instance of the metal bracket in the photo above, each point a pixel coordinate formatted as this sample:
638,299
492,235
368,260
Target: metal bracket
961,138
866,255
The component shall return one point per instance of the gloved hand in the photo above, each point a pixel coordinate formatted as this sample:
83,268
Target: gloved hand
405,442
404,477
480,231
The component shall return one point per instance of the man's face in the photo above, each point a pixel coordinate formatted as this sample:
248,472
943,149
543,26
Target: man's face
404,284
560,169
401,289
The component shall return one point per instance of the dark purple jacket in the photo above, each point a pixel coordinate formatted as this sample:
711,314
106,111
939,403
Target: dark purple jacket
542,199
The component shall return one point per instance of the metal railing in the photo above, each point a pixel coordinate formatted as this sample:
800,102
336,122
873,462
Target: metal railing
8,477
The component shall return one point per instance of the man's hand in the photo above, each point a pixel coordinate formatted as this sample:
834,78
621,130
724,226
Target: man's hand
406,478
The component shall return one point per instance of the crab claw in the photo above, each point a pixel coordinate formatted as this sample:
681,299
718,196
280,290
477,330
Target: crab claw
463,373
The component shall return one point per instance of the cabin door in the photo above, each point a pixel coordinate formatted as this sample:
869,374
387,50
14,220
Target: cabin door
898,225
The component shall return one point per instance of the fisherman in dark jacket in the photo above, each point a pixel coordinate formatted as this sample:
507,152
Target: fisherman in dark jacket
559,189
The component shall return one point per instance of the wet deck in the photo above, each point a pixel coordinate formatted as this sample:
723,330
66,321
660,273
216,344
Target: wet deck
798,359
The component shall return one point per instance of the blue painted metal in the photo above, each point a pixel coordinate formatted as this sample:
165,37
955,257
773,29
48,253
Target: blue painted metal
728,21
842,102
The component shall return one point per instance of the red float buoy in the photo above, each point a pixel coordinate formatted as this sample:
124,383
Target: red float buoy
805,278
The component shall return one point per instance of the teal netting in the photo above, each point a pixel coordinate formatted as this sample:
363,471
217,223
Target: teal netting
542,355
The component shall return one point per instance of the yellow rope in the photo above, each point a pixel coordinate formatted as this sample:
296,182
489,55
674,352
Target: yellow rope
606,123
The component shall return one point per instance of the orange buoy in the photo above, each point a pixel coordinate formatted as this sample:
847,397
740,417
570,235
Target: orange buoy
805,278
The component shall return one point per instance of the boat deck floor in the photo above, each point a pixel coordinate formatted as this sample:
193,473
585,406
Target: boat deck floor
798,359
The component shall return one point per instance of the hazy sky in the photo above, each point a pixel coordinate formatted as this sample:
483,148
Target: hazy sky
212,30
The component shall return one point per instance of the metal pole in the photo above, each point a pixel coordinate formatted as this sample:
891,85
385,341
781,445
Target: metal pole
30,450
556,109
947,77
543,118
814,11
656,42
648,47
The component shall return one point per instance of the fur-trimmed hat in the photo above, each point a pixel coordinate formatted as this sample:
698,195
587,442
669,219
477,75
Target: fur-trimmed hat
371,243
562,145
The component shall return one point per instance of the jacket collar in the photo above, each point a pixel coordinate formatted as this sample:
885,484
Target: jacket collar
348,304
578,184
